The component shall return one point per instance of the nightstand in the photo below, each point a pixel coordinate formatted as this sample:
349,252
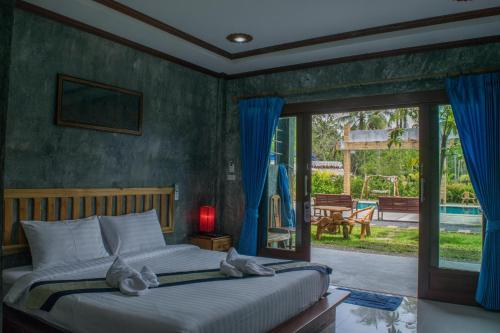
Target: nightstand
212,242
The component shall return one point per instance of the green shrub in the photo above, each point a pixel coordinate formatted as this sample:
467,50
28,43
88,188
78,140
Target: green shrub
455,191
325,182
356,186
464,179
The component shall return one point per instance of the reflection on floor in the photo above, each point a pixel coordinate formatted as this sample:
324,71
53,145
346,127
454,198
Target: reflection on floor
417,317
368,271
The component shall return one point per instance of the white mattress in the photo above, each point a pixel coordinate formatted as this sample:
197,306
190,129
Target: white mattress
239,305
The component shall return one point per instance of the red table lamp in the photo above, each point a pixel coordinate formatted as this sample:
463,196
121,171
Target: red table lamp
207,219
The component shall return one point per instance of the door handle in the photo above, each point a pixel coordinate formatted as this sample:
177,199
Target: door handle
306,188
422,187
422,183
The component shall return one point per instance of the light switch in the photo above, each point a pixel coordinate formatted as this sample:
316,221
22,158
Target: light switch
176,192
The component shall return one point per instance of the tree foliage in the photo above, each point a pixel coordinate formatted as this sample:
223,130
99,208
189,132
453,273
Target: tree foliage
328,131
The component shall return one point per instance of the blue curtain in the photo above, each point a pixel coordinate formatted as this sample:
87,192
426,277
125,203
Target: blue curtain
258,120
475,100
287,211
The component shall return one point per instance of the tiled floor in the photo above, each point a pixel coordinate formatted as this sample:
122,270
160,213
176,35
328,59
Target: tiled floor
417,317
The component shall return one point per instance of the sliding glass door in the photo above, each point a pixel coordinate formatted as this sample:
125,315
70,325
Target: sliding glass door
450,220
452,242
285,201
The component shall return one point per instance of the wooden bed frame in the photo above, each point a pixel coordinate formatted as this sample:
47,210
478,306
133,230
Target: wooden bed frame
60,204
74,203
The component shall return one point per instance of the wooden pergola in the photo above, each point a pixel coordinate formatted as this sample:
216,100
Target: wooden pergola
347,145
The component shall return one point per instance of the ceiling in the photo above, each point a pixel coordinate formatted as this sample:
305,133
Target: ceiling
286,32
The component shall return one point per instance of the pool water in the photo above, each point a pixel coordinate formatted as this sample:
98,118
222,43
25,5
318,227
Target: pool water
445,209
470,210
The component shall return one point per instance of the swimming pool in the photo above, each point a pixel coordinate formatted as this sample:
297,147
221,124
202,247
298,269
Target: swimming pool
445,209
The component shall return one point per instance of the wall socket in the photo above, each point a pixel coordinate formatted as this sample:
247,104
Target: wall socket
230,171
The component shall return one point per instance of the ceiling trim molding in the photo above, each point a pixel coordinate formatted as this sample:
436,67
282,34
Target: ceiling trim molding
23,5
425,22
115,38
430,21
367,56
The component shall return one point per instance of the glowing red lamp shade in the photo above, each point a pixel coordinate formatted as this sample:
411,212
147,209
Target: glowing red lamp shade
207,219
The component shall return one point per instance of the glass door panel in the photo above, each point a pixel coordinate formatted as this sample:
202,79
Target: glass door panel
281,193
460,216
451,228
285,194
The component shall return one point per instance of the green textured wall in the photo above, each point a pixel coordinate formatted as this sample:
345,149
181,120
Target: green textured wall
6,24
180,117
398,74
191,128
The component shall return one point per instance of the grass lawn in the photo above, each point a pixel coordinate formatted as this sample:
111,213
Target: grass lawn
402,241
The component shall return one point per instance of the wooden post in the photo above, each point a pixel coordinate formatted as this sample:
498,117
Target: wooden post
444,183
347,161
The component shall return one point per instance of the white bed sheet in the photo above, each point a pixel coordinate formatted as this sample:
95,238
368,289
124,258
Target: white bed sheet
242,305
11,275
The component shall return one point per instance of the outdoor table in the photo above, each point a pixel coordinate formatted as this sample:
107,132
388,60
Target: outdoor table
333,209
337,209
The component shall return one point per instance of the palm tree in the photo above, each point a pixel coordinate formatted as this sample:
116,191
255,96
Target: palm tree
447,128
402,117
364,120
326,132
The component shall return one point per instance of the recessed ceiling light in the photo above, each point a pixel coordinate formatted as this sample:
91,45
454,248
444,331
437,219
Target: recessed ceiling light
239,38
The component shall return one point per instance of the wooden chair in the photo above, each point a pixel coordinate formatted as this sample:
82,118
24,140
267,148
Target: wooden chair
275,212
468,198
275,232
329,224
364,220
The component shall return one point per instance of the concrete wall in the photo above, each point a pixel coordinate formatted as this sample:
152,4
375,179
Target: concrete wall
398,74
180,120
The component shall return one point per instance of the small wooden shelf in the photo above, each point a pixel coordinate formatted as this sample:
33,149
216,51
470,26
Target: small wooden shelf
214,243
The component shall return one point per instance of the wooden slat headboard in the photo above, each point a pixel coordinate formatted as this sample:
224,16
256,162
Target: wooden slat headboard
73,203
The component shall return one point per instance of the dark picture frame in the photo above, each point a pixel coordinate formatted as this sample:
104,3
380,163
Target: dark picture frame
93,105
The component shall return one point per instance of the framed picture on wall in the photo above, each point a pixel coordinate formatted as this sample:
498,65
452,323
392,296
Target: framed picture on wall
93,105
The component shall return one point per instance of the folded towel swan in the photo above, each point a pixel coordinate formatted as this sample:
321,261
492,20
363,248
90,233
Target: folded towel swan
149,277
236,266
130,281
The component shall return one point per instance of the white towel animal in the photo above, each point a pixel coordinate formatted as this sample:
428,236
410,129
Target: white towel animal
246,266
149,277
230,270
128,280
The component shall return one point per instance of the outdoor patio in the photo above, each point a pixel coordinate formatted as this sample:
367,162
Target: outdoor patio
448,222
368,271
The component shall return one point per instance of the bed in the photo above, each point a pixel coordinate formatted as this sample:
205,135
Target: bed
292,301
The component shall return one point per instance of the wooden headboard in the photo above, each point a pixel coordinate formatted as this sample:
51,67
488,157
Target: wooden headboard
73,203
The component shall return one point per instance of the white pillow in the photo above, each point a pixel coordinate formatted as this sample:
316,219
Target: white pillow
63,242
132,232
